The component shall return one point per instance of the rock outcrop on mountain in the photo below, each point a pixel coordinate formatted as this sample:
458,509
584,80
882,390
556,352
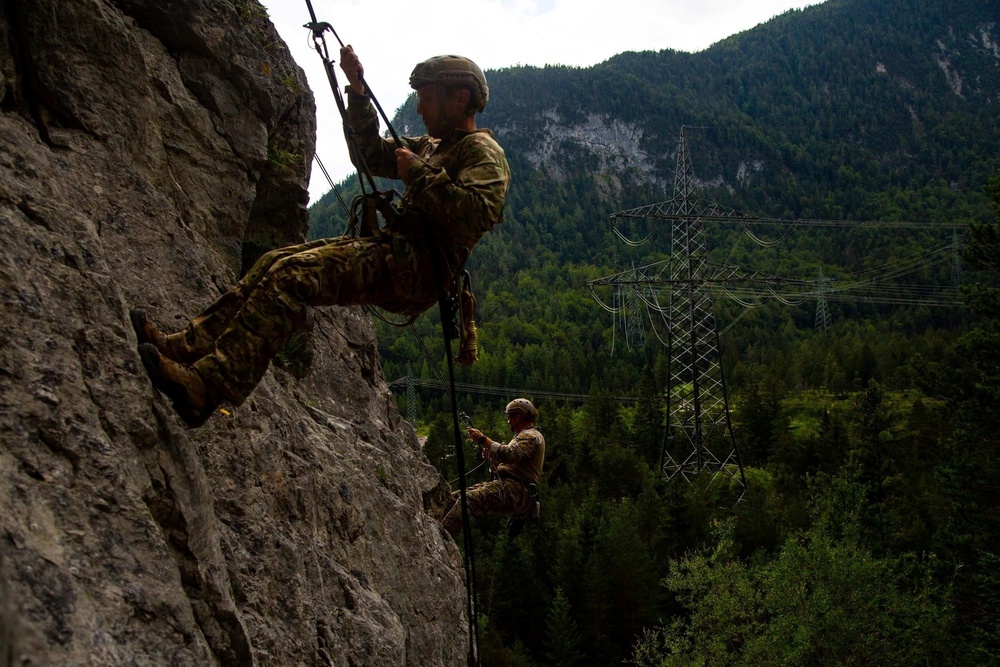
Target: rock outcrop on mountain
148,151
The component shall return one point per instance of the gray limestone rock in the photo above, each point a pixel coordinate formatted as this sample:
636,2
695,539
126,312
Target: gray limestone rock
148,150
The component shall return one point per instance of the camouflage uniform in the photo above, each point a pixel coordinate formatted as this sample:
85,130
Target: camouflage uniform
520,463
454,194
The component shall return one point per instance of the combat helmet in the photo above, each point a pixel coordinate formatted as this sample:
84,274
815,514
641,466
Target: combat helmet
522,405
453,70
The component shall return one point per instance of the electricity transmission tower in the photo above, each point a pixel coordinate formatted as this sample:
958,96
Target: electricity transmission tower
630,314
699,435
823,318
411,397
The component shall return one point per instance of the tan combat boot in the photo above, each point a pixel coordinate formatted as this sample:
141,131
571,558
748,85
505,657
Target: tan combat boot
171,347
193,399
145,330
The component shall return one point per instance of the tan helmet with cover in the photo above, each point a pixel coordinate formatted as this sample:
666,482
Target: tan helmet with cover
453,71
524,406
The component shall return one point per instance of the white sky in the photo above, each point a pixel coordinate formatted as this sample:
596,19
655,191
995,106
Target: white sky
391,36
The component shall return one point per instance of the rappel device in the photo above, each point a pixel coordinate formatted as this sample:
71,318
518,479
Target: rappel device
493,470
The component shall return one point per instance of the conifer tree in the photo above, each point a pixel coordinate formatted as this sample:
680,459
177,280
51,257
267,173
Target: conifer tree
649,419
562,636
440,446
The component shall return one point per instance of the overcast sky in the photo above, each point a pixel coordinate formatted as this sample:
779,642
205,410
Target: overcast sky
392,35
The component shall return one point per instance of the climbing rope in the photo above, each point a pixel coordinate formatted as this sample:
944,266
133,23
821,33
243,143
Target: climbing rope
447,310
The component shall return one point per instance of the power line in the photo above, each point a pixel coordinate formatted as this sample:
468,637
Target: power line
710,212
752,288
505,392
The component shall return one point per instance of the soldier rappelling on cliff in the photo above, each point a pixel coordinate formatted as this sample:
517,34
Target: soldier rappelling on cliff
456,179
516,470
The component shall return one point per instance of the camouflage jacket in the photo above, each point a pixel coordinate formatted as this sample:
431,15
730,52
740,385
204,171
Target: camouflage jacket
460,183
522,457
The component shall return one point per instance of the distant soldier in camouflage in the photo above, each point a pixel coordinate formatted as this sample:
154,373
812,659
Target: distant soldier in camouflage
517,470
456,180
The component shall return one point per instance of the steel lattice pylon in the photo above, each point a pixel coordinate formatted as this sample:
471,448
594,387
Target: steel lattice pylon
411,397
699,435
681,291
699,430
629,310
823,317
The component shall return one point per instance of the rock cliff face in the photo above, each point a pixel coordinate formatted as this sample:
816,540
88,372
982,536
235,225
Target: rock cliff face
147,151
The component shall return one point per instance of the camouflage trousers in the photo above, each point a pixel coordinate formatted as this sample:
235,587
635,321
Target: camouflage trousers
498,496
232,343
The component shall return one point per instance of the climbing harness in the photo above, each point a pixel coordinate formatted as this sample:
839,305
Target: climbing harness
455,299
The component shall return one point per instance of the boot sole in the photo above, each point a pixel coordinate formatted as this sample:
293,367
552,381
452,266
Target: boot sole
175,352
138,318
176,392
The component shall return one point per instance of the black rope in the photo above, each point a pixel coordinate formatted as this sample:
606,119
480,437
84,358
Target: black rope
318,29
333,186
319,44
448,307
427,355
470,557
321,27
